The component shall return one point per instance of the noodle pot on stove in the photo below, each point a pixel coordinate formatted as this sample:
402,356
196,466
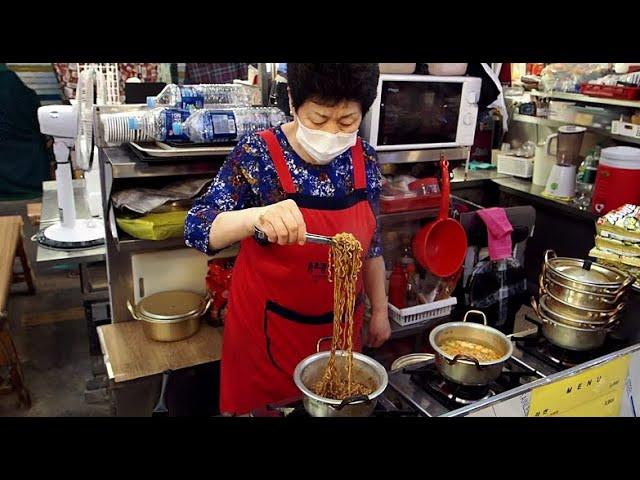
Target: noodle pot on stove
365,370
468,353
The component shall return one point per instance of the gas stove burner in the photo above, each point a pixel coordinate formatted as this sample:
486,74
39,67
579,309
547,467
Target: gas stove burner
562,357
432,395
462,394
385,407
448,393
538,346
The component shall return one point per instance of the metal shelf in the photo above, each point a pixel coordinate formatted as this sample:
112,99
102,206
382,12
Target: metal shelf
127,243
124,165
408,216
578,97
557,123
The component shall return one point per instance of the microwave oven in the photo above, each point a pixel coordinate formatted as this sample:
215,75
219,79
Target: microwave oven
414,112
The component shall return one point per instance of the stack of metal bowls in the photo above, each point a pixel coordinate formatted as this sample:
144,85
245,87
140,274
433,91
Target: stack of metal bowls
580,301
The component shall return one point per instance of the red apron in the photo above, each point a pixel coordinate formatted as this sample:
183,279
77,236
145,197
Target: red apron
281,301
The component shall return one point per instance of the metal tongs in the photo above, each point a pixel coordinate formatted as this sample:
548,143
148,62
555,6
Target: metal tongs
262,238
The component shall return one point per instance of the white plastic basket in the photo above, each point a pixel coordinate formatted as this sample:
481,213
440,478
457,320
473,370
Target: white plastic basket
420,313
516,166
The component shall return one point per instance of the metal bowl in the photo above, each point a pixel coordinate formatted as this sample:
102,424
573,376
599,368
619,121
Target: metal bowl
365,370
410,359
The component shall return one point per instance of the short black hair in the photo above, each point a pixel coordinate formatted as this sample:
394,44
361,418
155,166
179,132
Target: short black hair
331,83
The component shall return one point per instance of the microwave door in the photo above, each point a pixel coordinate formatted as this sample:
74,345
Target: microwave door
419,114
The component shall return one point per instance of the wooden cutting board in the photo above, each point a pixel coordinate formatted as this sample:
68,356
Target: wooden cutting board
129,354
10,231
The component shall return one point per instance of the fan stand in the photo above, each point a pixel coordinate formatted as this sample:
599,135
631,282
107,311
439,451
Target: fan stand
69,232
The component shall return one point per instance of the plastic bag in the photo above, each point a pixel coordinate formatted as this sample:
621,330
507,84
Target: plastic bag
154,226
567,77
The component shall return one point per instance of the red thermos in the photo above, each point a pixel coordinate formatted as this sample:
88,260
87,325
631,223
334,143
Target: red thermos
398,287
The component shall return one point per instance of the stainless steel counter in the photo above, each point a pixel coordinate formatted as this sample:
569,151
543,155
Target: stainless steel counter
527,189
460,176
51,215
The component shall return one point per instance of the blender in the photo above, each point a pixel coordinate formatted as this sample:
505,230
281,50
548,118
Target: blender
562,179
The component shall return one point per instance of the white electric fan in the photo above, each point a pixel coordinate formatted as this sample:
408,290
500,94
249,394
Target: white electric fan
72,125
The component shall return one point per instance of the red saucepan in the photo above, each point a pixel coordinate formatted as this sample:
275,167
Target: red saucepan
440,246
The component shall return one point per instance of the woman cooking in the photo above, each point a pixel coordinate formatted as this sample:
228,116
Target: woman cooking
312,175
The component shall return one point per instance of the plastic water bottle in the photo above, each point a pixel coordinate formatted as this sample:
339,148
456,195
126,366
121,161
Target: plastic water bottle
188,97
231,94
258,118
193,97
227,125
164,124
211,126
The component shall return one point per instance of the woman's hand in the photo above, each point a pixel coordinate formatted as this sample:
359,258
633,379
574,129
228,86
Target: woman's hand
282,222
379,328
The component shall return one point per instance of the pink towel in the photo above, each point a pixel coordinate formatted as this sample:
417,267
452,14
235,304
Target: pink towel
499,230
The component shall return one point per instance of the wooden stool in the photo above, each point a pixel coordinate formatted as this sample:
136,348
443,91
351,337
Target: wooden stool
12,246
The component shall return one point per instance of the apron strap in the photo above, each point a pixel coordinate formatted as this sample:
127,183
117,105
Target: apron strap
359,174
277,156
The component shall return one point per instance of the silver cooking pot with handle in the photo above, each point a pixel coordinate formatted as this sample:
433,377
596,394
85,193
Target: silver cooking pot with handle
464,369
365,369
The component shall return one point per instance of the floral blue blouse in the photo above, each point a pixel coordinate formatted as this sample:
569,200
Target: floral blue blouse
248,178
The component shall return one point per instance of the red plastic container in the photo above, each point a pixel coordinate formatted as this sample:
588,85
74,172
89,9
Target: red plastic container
609,91
618,179
398,287
406,204
416,200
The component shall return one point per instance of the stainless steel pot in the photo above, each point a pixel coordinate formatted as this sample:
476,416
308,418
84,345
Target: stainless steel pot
170,316
585,276
580,298
466,370
543,308
365,369
571,337
586,315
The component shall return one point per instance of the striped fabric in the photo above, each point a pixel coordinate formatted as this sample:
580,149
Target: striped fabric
40,78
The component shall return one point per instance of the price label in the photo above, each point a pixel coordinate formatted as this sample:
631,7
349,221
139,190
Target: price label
596,392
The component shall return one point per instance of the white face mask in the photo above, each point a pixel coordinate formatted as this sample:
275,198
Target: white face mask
323,146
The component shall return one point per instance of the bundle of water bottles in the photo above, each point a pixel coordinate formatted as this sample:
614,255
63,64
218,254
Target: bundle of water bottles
193,113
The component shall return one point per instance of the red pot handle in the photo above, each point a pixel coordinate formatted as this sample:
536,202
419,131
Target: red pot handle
446,189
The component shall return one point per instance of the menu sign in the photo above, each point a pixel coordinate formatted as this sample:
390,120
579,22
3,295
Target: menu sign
595,392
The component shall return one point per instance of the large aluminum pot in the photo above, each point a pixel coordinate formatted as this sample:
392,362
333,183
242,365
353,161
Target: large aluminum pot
588,315
580,298
365,370
543,309
466,370
571,337
585,276
170,316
